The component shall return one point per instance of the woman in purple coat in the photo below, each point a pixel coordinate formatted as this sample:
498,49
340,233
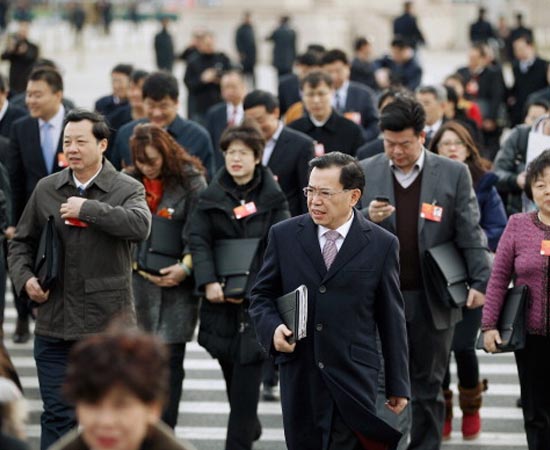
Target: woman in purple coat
521,256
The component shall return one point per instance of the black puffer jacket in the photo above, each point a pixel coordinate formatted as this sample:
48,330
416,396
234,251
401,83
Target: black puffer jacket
225,328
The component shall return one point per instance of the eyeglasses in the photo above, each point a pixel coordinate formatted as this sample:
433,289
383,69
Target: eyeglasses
325,194
451,144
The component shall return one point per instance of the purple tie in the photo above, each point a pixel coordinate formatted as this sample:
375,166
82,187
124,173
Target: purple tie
329,249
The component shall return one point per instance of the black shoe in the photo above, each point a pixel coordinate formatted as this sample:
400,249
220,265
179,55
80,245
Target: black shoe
269,394
22,333
518,403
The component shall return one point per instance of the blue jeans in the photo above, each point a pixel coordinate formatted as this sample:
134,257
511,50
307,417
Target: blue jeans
58,417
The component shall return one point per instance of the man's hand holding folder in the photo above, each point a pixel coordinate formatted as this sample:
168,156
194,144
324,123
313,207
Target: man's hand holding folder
293,310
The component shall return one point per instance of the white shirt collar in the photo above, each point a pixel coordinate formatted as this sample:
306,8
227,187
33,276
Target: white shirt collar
4,109
434,126
343,230
418,165
239,116
80,185
317,123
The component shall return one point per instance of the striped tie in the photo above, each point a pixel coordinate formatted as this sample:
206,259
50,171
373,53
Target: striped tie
329,249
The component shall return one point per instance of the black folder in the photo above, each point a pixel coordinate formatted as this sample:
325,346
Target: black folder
233,259
292,308
47,263
446,269
162,248
512,321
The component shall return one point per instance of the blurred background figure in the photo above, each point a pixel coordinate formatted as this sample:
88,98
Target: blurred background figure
12,415
284,46
164,46
4,6
245,41
362,65
120,83
406,27
104,10
22,54
399,68
118,382
77,19
481,30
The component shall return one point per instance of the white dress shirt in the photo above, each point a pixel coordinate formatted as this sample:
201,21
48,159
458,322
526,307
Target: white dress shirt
343,230
406,179
270,145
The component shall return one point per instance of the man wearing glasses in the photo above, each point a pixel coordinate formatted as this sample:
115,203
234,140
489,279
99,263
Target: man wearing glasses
350,268
425,200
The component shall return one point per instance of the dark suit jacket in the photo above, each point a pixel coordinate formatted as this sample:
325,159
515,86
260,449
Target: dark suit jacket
337,364
25,161
245,42
360,99
525,84
289,164
12,114
370,149
190,135
215,122
337,134
491,91
449,185
406,27
106,105
289,91
284,48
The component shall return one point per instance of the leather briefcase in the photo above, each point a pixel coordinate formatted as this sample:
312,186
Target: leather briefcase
512,322
47,263
446,269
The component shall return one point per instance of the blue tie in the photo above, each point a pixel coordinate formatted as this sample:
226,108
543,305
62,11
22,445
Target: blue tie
48,146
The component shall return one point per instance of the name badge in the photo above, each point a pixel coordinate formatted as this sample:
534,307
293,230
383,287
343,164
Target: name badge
244,210
76,223
62,160
319,149
545,248
354,116
431,212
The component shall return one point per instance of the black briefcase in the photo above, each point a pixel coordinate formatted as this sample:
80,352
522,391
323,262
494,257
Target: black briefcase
162,248
47,263
446,269
233,259
512,323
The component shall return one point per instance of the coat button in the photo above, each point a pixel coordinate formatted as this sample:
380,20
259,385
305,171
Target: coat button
319,327
322,289
321,365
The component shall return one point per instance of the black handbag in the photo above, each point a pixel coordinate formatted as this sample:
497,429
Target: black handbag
233,259
512,321
162,248
47,263
446,269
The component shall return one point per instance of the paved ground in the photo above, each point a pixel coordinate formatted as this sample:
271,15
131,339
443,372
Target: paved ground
203,411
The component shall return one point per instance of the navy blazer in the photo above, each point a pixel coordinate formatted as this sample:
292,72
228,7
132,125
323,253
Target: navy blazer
25,162
215,122
360,99
288,91
13,113
337,364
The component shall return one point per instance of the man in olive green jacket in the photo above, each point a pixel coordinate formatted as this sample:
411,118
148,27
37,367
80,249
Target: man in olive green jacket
98,213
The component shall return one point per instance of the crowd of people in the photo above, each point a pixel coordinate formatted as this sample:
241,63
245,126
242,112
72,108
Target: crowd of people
342,181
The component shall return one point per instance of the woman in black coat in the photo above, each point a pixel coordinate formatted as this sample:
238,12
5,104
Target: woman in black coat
225,327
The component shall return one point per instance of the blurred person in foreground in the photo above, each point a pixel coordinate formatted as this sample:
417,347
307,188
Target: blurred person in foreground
520,257
118,384
165,304
455,142
12,415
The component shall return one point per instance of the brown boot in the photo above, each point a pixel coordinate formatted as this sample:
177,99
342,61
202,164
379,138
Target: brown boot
470,403
448,424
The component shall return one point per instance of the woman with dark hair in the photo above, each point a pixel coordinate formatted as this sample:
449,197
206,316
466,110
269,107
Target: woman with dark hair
453,140
470,109
118,382
165,304
522,256
242,201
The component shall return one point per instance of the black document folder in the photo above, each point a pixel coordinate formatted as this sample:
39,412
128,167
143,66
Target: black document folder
512,321
446,269
233,259
293,310
47,263
163,247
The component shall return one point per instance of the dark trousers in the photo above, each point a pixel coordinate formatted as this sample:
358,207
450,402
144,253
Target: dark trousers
534,372
270,375
429,350
177,374
341,436
3,279
58,417
464,343
243,392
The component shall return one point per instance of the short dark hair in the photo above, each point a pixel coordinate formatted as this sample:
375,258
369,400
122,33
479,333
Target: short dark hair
535,169
247,132
159,85
100,129
308,59
404,112
527,37
261,98
315,78
538,102
360,42
130,358
126,69
452,96
438,91
351,175
392,92
480,47
3,85
50,76
138,75
333,56
401,42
